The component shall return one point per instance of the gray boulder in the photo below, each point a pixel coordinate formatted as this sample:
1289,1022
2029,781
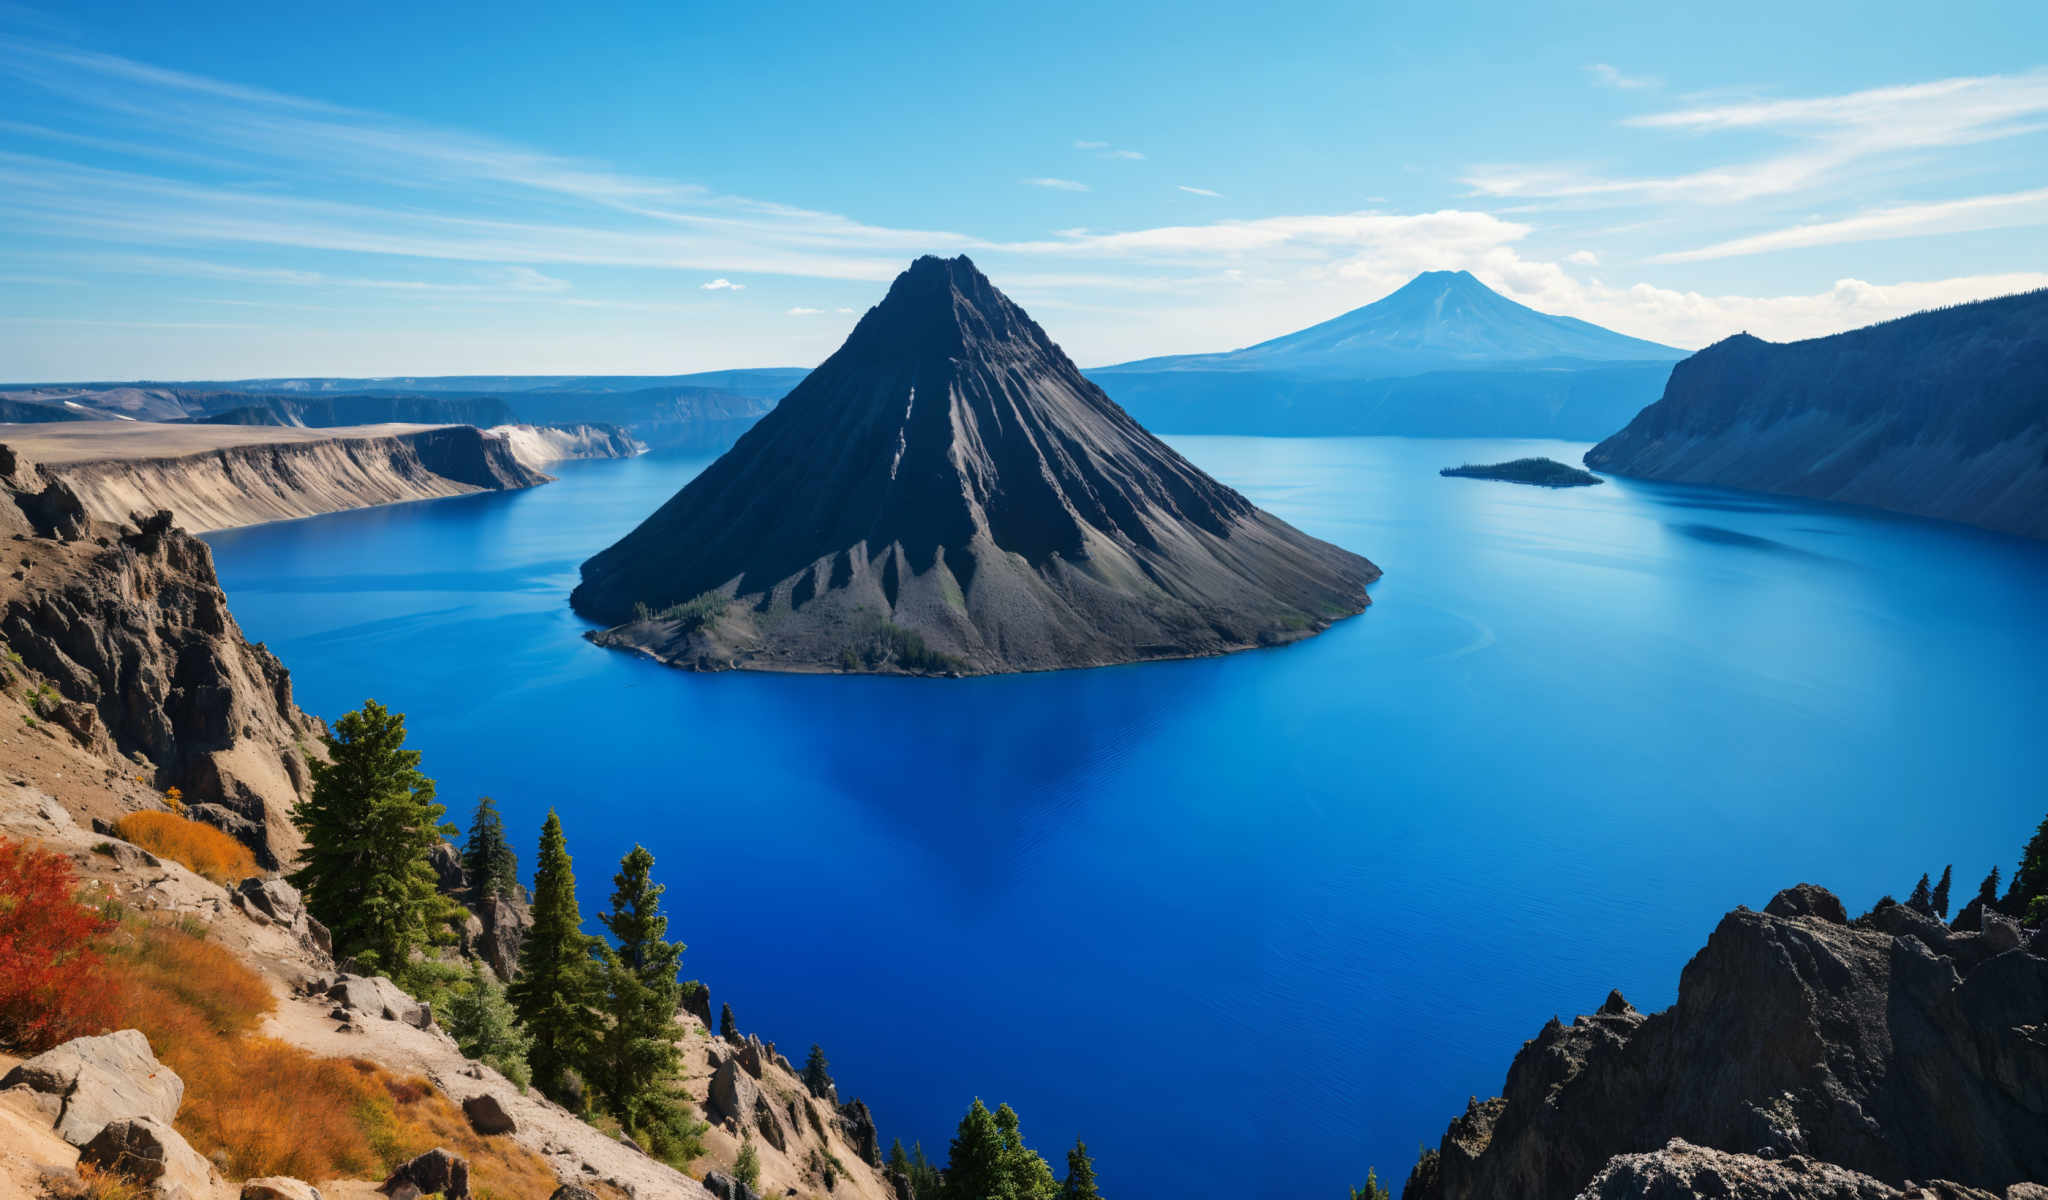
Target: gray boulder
149,1150
2002,933
1681,1171
88,1082
435,1173
858,1126
725,1187
487,1115
376,996
275,902
570,1191
1808,900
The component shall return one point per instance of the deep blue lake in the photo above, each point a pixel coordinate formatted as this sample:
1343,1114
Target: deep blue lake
1249,924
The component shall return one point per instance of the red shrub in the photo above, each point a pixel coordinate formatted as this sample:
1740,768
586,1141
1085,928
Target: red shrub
51,983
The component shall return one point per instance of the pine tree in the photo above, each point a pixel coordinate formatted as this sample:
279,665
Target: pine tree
926,1182
487,859
1080,1181
817,1075
1373,1189
899,1162
1941,891
977,1166
727,1027
747,1167
636,1054
370,824
1921,901
2030,878
1030,1176
1987,891
483,1024
557,985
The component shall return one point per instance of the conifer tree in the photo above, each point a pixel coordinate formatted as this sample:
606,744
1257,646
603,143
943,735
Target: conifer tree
899,1162
1921,900
483,1024
370,824
727,1027
636,1054
2030,878
557,985
1373,1189
1030,1176
925,1180
817,1075
1941,891
1987,891
1080,1181
977,1165
487,859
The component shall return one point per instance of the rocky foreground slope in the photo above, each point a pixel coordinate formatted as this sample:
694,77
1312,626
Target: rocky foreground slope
1808,1056
946,493
1943,414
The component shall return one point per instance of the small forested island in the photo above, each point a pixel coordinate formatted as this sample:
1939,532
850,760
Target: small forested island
1543,472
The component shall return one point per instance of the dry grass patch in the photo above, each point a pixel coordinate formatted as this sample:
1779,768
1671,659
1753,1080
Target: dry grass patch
199,846
269,1108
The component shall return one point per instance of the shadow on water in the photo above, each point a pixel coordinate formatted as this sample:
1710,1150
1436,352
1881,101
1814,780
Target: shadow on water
1717,535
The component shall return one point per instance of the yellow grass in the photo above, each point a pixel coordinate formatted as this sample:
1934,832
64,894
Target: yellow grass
206,850
269,1108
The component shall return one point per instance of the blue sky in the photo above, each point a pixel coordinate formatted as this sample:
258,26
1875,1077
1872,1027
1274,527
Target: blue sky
218,191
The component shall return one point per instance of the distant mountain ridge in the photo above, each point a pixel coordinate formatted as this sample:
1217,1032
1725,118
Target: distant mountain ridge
1943,414
947,494
1444,355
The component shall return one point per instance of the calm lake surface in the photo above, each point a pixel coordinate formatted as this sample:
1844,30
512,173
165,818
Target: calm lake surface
1249,924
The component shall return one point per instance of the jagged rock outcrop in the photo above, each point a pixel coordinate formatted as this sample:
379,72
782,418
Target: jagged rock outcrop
149,1151
1943,414
858,1126
539,446
946,493
129,626
1893,1046
435,1173
276,902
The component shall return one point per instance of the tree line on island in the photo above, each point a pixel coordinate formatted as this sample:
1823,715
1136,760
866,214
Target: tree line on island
587,1019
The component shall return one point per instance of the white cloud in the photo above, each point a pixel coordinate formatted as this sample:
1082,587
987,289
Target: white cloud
1609,76
1091,145
1195,191
845,310
723,285
1583,258
801,311
1912,220
1131,155
1058,185
1877,126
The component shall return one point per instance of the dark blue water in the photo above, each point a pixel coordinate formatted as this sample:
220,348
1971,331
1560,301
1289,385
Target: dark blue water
1248,924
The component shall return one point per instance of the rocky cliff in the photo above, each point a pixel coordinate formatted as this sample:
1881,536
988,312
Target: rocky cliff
947,493
121,634
247,484
1893,1047
1944,415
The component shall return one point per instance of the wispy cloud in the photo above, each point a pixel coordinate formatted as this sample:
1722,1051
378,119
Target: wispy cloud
1913,220
801,311
723,285
1583,258
1607,75
1057,185
1197,191
1091,145
1108,150
1828,134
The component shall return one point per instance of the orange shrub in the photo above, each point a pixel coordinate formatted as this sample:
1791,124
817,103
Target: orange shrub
206,850
52,976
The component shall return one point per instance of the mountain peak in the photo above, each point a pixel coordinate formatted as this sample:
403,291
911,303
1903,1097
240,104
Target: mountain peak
947,493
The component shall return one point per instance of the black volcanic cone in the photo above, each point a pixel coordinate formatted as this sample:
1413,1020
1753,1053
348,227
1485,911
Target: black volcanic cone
946,492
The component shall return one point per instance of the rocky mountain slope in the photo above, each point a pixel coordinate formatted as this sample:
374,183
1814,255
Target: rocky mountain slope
1893,1047
1444,355
218,477
126,634
539,446
1943,414
948,493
